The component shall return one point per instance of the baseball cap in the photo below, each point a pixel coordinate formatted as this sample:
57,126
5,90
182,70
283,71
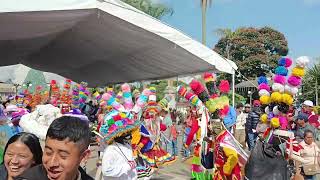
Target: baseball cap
308,103
247,105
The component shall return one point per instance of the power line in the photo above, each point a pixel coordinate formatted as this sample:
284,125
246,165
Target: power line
238,71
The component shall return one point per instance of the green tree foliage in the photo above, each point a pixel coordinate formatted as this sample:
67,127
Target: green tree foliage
35,78
155,10
311,81
161,87
237,99
254,50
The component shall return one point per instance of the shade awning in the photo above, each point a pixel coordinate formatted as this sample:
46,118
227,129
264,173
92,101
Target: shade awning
99,42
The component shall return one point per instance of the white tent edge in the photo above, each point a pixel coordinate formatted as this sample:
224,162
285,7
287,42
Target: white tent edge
129,14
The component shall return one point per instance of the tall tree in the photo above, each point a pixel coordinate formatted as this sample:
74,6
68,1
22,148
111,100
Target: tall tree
204,6
155,10
254,50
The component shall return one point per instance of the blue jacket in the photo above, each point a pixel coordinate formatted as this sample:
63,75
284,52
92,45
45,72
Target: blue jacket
230,118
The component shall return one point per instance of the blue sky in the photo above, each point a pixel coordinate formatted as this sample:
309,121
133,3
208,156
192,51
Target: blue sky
298,20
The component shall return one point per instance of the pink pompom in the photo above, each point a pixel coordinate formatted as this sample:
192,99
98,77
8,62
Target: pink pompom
288,62
207,75
106,96
223,112
126,88
294,81
264,86
188,95
196,86
224,86
279,79
283,122
146,92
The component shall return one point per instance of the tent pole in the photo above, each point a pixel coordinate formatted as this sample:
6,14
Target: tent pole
233,88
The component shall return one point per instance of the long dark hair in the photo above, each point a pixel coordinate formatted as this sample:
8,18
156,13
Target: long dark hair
29,140
122,139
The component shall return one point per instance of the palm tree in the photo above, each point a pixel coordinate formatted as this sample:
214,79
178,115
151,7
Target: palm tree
155,10
314,72
311,82
204,5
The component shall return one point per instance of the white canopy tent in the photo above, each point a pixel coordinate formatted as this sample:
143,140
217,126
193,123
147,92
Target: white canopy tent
99,42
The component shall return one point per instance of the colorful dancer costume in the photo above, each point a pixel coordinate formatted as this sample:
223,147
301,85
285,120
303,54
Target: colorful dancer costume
118,161
229,157
117,125
151,151
116,131
141,143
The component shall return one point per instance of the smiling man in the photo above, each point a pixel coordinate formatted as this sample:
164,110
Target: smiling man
66,146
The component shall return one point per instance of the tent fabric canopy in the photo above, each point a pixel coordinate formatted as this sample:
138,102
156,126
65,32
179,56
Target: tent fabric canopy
99,42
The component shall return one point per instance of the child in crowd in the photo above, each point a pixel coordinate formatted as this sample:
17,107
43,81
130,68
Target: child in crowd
173,138
186,130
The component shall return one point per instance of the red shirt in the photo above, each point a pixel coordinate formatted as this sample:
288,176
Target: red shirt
174,132
314,120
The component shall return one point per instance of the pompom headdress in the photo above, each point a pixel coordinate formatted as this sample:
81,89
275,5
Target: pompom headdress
214,99
121,119
154,108
117,124
75,96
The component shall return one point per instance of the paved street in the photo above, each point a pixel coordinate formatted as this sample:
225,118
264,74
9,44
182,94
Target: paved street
176,171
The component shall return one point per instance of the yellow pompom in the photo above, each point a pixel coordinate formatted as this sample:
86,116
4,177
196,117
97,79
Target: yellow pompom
109,108
275,123
211,105
123,115
298,71
264,118
276,97
265,100
152,88
287,99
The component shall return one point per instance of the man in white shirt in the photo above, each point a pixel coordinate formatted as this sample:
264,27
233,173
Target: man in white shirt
242,115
